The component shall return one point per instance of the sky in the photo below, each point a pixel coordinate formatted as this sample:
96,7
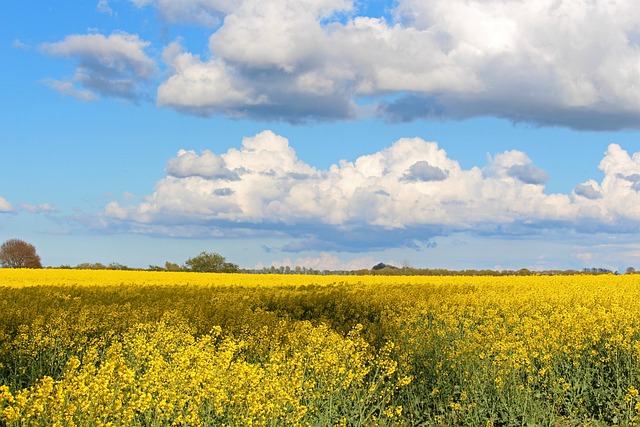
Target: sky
330,134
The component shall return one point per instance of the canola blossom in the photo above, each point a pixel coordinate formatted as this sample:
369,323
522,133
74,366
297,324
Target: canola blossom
124,348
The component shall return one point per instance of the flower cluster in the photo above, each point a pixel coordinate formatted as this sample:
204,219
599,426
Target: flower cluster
116,348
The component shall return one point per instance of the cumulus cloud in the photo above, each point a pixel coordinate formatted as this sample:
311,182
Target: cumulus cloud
216,86
112,66
203,88
403,195
5,206
548,62
620,194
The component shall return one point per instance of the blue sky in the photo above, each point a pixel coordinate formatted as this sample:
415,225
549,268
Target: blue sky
323,133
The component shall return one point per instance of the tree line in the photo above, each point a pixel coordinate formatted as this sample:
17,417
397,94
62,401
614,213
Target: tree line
16,253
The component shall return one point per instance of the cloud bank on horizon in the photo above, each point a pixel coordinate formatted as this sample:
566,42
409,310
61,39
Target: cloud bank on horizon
546,62
401,196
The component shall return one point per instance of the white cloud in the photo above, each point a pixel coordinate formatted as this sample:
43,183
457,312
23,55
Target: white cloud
544,61
263,187
5,206
568,63
202,87
620,195
113,65
41,208
201,12
515,164
206,165
69,89
291,30
103,6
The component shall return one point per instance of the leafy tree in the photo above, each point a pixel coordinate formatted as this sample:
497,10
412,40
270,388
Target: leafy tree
382,266
16,253
172,266
210,262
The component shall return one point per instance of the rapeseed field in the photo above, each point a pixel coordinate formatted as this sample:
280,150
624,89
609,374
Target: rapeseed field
122,348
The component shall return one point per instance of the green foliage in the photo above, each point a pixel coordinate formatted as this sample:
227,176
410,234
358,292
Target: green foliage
210,262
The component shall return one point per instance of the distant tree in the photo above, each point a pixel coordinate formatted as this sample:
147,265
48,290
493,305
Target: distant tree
117,266
168,266
210,262
91,266
596,271
631,270
16,253
172,266
381,266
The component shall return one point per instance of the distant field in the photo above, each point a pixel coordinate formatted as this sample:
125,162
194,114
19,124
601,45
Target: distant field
123,348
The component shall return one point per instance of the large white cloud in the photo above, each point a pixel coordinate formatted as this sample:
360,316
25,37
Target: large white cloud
401,195
114,65
570,63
